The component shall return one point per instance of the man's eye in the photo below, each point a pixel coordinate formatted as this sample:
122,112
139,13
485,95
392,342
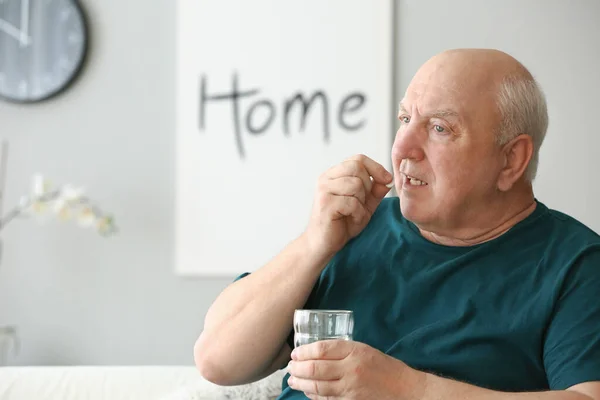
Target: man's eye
439,129
405,119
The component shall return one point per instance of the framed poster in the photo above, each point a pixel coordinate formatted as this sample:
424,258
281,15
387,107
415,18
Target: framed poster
269,95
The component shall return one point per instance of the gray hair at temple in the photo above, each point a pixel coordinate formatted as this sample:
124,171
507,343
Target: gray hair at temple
523,110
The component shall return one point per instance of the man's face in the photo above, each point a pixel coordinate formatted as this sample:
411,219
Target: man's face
445,158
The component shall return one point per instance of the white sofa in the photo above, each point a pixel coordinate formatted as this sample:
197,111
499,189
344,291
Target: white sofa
125,383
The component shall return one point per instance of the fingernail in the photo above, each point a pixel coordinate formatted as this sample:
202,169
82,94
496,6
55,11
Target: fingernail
290,380
293,355
390,185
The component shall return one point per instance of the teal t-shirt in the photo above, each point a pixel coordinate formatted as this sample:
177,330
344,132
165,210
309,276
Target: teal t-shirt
518,313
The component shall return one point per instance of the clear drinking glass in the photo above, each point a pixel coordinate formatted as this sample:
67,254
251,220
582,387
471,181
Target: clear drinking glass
313,325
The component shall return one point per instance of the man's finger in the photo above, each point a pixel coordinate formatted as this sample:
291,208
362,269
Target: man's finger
317,397
315,387
323,350
347,206
351,168
374,169
346,186
373,199
323,370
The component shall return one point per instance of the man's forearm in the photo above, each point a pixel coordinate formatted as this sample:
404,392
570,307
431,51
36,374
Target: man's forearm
247,325
431,387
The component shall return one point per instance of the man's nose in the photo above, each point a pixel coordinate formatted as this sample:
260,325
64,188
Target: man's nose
408,143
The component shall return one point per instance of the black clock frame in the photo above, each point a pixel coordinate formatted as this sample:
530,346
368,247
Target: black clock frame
75,74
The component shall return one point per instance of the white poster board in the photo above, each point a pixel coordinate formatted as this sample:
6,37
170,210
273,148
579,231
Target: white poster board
270,94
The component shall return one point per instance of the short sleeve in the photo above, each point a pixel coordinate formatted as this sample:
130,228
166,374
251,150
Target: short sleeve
245,274
572,344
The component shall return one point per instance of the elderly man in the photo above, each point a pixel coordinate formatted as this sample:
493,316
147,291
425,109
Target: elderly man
463,287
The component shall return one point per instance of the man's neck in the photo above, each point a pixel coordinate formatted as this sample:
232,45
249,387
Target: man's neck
519,209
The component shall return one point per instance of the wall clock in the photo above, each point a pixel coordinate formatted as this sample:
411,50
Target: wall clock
43,45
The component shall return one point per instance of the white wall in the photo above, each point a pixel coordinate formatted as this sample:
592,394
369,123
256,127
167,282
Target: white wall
75,297
78,299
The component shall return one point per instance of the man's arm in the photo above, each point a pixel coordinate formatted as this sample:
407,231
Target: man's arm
245,330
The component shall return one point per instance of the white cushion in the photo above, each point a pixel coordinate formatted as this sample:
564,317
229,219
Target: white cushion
92,382
131,383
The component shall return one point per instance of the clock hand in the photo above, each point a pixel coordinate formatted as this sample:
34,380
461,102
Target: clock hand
25,9
10,30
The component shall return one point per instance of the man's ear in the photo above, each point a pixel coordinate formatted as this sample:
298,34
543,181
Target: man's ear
517,154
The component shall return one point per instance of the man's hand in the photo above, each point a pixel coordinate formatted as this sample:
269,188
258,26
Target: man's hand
345,200
339,369
347,370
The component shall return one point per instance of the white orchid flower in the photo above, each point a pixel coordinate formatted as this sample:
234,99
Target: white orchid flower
40,185
63,212
86,217
39,208
67,202
71,193
24,204
105,225
68,198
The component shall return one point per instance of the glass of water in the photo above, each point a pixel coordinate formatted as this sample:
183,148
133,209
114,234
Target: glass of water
313,325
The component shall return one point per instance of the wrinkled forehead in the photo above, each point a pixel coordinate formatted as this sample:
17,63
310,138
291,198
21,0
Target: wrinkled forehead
471,94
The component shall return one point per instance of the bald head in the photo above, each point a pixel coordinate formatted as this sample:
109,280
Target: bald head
488,63
473,72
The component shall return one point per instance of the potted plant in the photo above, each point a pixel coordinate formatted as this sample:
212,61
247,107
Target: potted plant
66,202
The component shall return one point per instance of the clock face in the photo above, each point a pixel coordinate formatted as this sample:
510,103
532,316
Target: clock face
42,47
